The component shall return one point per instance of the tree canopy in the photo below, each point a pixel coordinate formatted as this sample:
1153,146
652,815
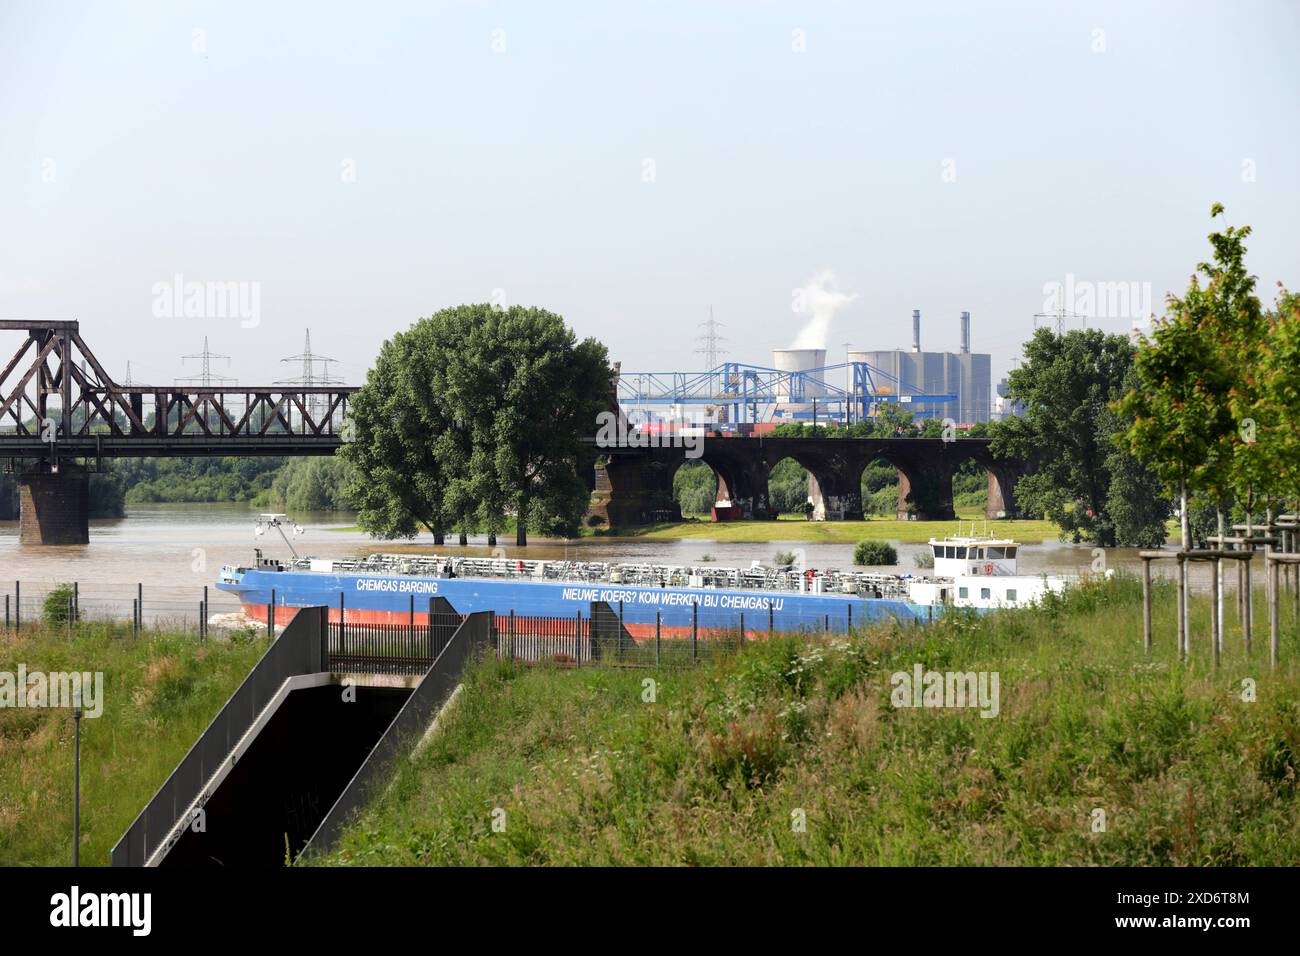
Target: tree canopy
1080,482
1216,401
473,416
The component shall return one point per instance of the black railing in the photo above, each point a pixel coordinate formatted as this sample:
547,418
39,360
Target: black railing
408,647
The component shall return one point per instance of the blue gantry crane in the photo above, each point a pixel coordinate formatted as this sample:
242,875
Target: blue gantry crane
753,393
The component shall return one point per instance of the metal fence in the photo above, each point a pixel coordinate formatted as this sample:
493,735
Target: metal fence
198,611
599,633
603,638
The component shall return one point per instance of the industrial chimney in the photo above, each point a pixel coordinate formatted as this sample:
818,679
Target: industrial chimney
965,333
916,330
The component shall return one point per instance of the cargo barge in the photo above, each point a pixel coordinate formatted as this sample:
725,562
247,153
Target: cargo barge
398,589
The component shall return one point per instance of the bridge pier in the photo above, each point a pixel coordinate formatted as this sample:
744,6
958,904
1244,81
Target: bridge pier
634,486
926,491
837,493
54,507
745,486
633,491
1002,494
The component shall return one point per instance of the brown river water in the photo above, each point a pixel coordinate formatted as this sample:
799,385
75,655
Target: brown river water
173,551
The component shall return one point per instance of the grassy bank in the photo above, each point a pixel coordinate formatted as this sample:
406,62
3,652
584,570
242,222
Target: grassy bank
160,692
727,759
835,532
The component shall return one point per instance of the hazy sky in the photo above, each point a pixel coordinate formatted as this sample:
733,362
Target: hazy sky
628,165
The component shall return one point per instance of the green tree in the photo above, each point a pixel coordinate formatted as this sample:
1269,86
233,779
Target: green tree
787,487
474,413
1280,392
1066,384
1181,405
527,391
404,443
313,484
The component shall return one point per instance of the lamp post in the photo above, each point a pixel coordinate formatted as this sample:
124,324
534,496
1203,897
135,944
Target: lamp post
76,787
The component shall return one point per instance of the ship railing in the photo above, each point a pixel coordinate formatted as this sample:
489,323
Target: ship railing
785,579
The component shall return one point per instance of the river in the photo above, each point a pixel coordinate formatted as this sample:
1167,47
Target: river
173,550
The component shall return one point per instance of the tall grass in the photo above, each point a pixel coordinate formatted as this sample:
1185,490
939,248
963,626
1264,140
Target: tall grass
160,692
727,759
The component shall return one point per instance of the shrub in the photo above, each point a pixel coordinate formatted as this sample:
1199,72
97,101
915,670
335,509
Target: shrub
875,552
57,605
784,558
923,559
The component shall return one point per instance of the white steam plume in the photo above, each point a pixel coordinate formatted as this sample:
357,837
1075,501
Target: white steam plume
819,301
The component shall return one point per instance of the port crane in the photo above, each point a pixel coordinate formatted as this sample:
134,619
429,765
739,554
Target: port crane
752,393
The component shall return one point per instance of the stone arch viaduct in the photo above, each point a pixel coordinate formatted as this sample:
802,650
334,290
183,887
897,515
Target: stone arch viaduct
633,485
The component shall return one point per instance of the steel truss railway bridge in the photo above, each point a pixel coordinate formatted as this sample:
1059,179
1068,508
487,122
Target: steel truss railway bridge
61,414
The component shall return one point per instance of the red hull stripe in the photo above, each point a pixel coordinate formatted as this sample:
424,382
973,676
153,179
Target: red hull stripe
547,626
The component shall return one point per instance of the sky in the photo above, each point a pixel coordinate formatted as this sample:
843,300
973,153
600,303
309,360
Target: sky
350,168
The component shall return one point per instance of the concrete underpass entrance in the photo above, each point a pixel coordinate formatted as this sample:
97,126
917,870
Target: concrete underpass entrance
279,791
306,740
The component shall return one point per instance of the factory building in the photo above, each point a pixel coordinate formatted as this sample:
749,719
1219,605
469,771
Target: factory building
964,373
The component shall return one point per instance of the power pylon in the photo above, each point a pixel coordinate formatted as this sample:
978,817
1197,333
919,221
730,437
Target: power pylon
206,377
311,376
709,342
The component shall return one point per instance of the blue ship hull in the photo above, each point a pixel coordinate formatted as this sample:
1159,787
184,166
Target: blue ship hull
394,599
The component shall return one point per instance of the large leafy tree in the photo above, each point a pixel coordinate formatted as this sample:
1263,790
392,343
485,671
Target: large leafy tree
404,444
1066,384
482,410
1280,390
1192,395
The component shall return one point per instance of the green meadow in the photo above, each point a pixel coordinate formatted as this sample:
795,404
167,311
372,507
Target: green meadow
160,692
790,752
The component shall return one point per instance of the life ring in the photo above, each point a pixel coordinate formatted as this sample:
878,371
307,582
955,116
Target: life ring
988,569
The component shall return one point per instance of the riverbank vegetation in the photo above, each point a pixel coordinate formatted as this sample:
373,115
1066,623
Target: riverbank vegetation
792,752
797,529
296,484
1215,403
160,692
